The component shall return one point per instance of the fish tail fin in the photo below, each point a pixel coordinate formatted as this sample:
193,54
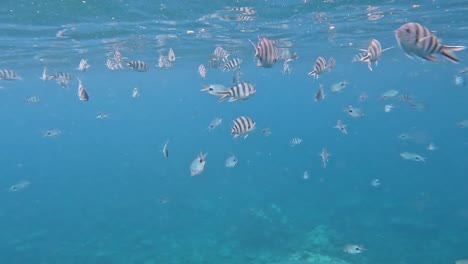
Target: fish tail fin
447,52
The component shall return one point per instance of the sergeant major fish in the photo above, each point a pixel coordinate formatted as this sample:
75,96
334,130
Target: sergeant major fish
240,91
137,65
319,67
417,41
243,126
373,53
266,52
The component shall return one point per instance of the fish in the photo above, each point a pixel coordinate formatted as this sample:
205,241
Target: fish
305,175
101,115
82,93
319,67
138,65
32,100
9,75
286,68
112,65
214,89
320,95
135,93
266,131
389,94
375,183
213,62
163,62
220,54
19,186
232,64
417,41
363,97
331,63
459,80
198,164
165,149
45,76
242,126
354,112
373,53
388,108
412,156
171,55
295,141
266,52
62,76
353,249
240,91
202,71
341,127
338,87
83,66
463,123
215,123
52,133
231,162
431,146
324,155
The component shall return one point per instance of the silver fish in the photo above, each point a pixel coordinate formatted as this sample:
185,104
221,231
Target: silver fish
215,123
198,164
165,149
214,89
341,127
243,126
389,94
354,112
240,91
19,186
324,155
412,156
266,52
52,133
231,162
417,41
135,92
338,87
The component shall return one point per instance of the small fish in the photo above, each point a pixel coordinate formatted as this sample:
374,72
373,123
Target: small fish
9,75
214,89
83,66
136,93
353,249
202,71
389,94
388,108
215,123
417,41
320,95
375,183
373,53
118,57
165,149
341,127
305,175
319,67
45,76
220,54
171,55
266,131
331,63
198,164
101,115
266,52
163,62
242,126
295,141
463,123
19,186
52,133
138,65
286,68
459,80
363,97
232,64
112,65
354,112
431,146
231,162
338,87
82,93
412,156
32,100
240,91
324,155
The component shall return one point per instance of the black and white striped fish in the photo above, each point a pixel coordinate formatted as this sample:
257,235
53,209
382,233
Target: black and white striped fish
32,100
220,54
232,64
240,91
83,66
266,52
372,54
331,63
242,127
63,76
417,41
202,71
9,75
82,93
137,65
319,67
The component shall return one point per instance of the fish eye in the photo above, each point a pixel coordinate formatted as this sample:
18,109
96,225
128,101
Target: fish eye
408,30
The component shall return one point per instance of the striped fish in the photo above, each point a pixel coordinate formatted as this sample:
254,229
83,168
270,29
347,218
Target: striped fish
372,54
240,91
319,67
83,66
244,9
137,65
417,41
214,62
82,93
266,52
331,63
32,100
295,141
220,54
63,76
9,75
243,126
202,71
232,64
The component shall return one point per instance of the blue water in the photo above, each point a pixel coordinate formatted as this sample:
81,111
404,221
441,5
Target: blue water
102,191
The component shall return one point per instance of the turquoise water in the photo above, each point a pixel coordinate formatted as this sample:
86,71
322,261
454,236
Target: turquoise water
102,192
